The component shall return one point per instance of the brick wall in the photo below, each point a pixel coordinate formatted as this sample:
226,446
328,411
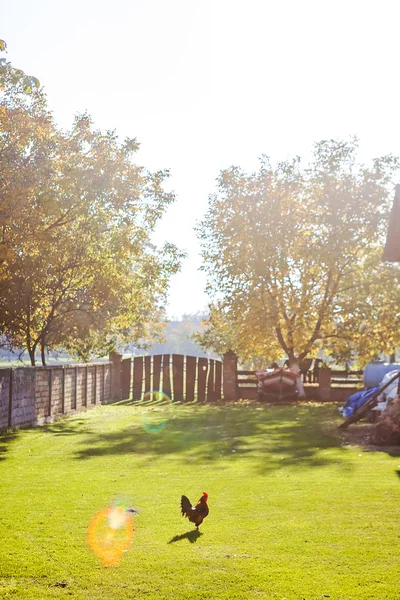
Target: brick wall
4,396
23,397
41,394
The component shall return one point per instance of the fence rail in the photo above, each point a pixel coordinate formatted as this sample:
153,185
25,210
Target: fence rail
247,385
338,384
342,377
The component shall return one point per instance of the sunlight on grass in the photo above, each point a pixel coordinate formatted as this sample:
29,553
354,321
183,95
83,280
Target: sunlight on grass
294,512
156,410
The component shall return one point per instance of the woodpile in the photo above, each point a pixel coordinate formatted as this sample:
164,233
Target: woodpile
387,431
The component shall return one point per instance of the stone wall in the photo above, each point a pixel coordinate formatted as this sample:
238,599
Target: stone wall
37,395
4,396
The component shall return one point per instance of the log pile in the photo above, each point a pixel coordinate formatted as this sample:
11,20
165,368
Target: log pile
387,431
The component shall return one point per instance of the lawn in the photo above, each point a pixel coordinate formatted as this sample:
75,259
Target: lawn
295,512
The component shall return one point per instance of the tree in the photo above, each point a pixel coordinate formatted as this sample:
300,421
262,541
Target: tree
222,332
370,327
290,250
9,75
76,258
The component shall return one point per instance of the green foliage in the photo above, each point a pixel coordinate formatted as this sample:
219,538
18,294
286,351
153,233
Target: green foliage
294,512
292,253
222,332
10,76
370,327
92,344
76,257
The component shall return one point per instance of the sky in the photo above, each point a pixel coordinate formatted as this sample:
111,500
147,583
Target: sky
211,84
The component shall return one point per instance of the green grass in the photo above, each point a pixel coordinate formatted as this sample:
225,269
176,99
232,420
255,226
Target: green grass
294,513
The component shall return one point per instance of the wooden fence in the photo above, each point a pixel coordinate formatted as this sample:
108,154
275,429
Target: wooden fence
189,378
323,384
341,377
181,378
34,395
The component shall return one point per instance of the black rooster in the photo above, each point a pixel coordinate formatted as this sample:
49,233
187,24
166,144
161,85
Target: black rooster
195,514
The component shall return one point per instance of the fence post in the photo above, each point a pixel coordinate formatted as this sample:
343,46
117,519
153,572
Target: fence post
229,368
324,383
116,375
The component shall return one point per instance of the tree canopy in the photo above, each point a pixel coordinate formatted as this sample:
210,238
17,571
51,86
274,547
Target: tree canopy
293,255
10,75
77,264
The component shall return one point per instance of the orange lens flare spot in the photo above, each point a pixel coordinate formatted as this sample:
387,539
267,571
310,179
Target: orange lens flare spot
110,534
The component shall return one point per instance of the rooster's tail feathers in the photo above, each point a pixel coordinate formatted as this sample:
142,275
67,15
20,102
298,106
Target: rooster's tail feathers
186,505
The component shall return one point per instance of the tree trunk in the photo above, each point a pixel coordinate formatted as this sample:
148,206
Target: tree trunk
42,354
31,352
293,364
291,360
296,369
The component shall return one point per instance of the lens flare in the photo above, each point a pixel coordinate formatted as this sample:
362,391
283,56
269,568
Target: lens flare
157,411
110,533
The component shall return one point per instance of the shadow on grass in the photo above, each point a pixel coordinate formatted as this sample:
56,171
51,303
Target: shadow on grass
64,427
192,536
270,436
6,438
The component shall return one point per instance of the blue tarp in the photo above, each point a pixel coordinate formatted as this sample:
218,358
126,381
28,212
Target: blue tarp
356,400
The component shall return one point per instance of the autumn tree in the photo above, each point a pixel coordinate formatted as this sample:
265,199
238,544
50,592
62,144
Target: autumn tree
77,215
292,251
10,75
221,332
369,328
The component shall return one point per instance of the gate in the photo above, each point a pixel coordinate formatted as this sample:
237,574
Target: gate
181,378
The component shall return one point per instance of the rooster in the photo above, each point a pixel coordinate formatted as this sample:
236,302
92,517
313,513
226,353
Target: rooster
195,514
